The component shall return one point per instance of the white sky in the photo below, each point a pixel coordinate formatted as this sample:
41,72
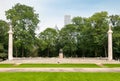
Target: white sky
51,12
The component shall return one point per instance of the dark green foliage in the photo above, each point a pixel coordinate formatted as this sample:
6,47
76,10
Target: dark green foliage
3,39
3,55
116,36
24,21
86,37
47,42
68,40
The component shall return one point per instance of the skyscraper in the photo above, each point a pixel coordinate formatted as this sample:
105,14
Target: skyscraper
56,28
67,19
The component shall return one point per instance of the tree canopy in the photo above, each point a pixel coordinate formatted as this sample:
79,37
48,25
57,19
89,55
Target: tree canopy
24,21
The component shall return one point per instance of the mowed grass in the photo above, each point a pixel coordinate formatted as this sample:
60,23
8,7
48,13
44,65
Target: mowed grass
58,76
112,65
49,66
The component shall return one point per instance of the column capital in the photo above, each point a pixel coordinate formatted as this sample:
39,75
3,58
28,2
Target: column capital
10,30
110,29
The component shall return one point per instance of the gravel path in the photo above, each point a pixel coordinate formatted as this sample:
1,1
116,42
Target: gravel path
59,69
58,60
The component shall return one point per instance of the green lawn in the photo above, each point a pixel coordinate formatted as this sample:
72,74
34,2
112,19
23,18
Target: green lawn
58,76
112,65
49,66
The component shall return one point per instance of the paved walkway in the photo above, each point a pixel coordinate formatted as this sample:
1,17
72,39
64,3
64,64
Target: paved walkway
58,60
59,69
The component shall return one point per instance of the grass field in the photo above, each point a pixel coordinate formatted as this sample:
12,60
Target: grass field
49,66
58,76
112,65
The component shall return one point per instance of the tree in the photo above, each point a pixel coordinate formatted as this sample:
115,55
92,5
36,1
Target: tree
68,40
3,31
83,31
116,35
99,32
48,41
3,39
78,21
24,21
91,34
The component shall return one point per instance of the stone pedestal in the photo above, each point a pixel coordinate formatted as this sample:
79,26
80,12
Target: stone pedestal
110,51
61,53
10,44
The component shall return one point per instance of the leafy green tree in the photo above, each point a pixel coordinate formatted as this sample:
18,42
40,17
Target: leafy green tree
3,31
48,41
78,21
24,21
3,55
83,31
68,40
116,35
3,39
99,32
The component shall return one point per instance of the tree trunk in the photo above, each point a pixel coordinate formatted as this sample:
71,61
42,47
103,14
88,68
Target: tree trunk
83,53
22,52
105,51
95,53
16,52
48,52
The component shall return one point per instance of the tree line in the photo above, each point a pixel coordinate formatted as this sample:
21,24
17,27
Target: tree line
85,37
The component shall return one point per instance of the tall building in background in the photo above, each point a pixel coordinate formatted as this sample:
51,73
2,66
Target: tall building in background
67,19
56,28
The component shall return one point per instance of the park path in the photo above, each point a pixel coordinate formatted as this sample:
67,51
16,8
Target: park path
59,69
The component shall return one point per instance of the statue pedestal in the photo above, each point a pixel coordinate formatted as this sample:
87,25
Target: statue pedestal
61,53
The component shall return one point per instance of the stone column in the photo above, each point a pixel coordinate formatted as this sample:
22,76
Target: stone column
10,44
61,53
110,51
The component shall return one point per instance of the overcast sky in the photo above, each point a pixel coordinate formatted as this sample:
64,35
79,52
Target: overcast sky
51,12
